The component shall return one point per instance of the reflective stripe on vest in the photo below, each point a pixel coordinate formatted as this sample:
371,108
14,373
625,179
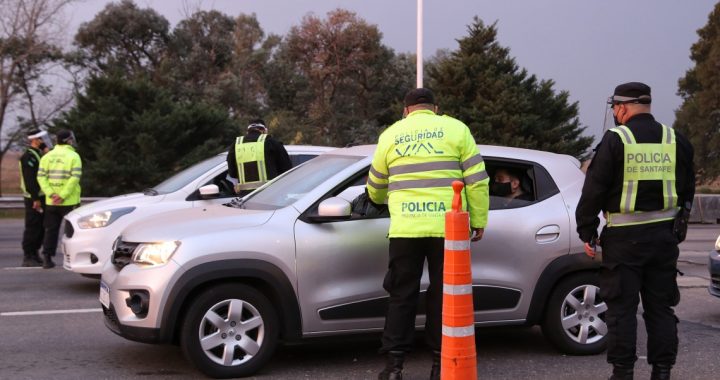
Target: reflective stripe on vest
22,179
249,156
646,162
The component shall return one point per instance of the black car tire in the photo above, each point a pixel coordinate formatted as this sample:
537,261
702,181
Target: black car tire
249,335
574,316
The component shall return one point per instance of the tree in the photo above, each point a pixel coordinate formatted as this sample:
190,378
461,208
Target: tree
699,115
482,85
28,53
337,77
123,38
132,134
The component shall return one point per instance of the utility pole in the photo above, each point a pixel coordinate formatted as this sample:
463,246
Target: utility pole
418,49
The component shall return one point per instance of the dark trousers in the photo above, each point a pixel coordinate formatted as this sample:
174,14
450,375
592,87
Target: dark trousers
34,230
402,282
642,266
53,218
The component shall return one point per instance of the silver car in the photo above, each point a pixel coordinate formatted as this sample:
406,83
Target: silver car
298,259
89,231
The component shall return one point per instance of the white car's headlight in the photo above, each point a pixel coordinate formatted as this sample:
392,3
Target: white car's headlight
154,253
717,244
103,218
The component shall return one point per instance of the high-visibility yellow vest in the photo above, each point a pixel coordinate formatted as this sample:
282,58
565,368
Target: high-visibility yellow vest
59,173
414,165
22,178
250,159
646,162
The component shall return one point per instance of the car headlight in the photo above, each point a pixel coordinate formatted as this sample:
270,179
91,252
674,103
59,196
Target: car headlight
717,244
154,253
103,218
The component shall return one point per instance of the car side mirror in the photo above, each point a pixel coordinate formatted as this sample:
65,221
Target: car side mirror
209,192
332,209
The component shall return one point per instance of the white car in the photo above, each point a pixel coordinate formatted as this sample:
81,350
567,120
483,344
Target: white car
89,231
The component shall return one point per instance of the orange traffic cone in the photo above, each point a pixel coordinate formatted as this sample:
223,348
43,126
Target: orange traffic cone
458,357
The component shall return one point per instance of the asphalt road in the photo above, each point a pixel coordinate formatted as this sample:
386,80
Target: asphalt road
51,328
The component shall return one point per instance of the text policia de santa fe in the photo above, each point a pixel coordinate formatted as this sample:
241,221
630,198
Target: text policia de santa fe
648,162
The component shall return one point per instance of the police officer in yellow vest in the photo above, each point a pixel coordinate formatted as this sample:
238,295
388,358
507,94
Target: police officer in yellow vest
415,163
33,197
59,178
640,178
256,158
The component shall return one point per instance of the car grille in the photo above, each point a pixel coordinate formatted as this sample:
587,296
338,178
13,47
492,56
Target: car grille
715,283
111,319
122,253
69,230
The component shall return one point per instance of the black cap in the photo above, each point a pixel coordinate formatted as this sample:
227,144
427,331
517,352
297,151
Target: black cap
632,92
257,123
419,96
63,135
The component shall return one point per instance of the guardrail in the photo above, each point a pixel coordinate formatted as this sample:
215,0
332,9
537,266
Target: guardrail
17,203
706,207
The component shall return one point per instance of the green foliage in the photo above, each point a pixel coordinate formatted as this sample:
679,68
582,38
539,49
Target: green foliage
482,85
123,38
132,134
699,115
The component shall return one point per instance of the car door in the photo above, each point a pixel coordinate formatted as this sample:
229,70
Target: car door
340,269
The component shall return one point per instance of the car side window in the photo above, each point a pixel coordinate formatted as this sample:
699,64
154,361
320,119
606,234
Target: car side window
513,183
223,184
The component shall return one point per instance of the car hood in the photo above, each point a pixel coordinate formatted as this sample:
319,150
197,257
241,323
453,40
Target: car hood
127,200
176,225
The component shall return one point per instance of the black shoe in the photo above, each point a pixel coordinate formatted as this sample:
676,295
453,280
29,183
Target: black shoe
435,370
660,372
393,366
47,262
29,262
622,373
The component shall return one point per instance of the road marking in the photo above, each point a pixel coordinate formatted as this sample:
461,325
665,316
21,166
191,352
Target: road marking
22,268
48,312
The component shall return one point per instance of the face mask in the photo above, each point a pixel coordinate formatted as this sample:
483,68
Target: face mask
617,122
42,146
500,189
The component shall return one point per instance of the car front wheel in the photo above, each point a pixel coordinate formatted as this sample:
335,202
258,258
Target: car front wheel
229,331
575,316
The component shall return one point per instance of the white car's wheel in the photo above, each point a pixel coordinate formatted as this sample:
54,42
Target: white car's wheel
575,316
229,331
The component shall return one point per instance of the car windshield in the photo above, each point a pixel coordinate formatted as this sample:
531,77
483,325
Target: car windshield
288,188
181,179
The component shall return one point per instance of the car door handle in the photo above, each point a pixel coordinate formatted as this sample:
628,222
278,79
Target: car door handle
548,234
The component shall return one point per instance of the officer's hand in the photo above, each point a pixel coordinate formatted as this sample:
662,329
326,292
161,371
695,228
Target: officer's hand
477,234
590,249
56,199
37,206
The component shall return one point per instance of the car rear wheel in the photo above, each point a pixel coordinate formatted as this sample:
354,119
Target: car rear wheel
229,331
575,316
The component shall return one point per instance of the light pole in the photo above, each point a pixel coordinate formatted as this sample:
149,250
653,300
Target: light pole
418,49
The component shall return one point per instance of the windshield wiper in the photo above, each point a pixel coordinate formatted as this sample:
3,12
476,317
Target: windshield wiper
236,203
150,191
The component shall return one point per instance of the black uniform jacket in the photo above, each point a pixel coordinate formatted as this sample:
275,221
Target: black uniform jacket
30,164
604,179
277,160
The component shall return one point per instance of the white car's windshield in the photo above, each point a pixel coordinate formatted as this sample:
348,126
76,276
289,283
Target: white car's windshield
288,188
183,178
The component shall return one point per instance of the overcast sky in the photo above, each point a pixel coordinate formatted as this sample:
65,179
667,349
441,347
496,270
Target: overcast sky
586,46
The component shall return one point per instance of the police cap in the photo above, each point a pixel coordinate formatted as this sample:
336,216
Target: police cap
631,92
419,96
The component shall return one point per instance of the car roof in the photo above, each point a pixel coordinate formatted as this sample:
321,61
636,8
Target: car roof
485,150
299,149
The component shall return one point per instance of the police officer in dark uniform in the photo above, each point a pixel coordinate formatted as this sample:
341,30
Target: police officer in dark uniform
33,198
252,173
641,178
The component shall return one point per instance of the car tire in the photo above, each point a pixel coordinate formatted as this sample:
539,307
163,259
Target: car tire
229,330
575,316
